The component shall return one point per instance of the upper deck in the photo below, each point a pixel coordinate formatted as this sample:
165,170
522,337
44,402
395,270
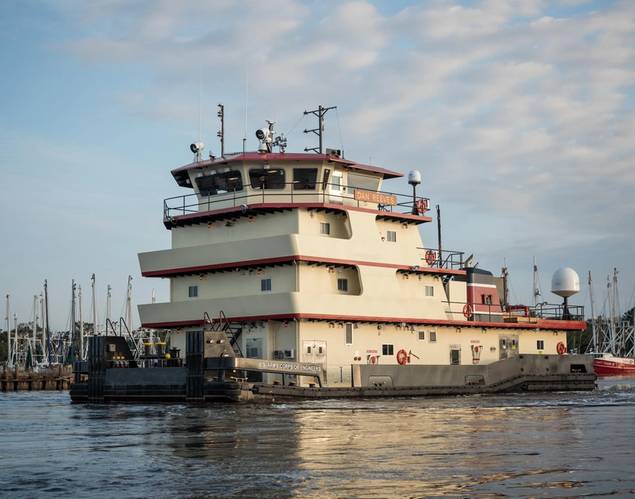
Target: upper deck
270,181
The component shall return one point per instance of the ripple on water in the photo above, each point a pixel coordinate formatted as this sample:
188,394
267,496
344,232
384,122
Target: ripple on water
560,444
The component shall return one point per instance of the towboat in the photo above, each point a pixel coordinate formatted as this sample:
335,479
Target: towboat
305,275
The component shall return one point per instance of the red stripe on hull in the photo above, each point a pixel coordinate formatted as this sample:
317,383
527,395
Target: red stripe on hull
541,324
297,258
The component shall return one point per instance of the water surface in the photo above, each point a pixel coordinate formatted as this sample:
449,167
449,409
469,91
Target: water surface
562,444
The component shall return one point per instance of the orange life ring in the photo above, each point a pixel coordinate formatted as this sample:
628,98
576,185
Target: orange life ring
431,257
402,357
468,310
561,348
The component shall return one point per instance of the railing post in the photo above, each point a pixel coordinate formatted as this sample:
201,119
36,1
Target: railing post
183,205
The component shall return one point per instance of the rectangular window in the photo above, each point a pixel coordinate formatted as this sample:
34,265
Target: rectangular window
429,290
192,291
304,179
342,285
261,178
219,183
422,335
349,334
540,344
325,228
265,285
391,236
486,299
432,336
387,350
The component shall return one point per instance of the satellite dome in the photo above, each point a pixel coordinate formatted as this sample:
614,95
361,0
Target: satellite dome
414,177
565,282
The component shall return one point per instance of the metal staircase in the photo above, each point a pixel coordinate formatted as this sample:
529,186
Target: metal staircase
232,330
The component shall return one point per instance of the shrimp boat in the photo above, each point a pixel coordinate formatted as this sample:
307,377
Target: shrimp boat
300,275
608,365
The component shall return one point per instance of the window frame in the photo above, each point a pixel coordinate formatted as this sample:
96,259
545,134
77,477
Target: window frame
540,344
391,236
432,337
305,185
428,288
348,333
192,291
326,225
265,285
267,173
342,281
214,188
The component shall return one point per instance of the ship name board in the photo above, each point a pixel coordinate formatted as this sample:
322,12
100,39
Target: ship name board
375,197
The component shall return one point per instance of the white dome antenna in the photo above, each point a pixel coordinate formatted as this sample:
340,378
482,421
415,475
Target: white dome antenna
414,179
565,283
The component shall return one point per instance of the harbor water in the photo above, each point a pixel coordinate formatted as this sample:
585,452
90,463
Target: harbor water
558,444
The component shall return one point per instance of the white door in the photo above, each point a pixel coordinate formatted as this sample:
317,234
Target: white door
314,351
336,188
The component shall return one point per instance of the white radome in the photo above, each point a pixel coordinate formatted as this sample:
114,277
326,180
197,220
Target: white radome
565,282
414,177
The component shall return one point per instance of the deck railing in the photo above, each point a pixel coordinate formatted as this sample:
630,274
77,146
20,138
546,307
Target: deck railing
321,193
496,312
446,259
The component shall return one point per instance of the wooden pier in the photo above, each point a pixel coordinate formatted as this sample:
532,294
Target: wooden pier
52,378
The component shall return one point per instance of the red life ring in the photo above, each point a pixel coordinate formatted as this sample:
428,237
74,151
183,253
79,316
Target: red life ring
422,205
402,357
431,257
372,359
561,348
468,310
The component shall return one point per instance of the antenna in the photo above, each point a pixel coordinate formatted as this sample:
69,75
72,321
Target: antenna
46,315
320,112
221,133
536,291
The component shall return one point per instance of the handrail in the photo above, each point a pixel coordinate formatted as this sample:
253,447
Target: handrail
404,203
541,311
448,259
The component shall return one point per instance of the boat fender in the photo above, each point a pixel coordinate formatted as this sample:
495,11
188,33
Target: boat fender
468,310
402,357
560,348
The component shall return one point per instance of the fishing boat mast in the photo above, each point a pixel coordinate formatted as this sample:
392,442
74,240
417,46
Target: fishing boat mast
93,303
8,320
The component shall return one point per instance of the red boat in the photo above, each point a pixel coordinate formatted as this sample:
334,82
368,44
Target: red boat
607,365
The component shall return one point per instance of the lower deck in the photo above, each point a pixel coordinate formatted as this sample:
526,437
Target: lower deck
338,345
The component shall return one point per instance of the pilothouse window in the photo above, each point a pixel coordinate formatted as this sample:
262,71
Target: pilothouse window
304,179
219,183
272,178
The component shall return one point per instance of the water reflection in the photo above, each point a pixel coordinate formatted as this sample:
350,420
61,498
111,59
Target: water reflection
527,445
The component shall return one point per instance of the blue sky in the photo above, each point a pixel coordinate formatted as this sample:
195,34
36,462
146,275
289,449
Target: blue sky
520,115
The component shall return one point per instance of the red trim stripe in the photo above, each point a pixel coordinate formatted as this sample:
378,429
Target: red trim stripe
540,324
296,258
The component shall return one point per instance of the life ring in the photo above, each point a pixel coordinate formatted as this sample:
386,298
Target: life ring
561,348
431,257
468,310
372,359
402,357
421,205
